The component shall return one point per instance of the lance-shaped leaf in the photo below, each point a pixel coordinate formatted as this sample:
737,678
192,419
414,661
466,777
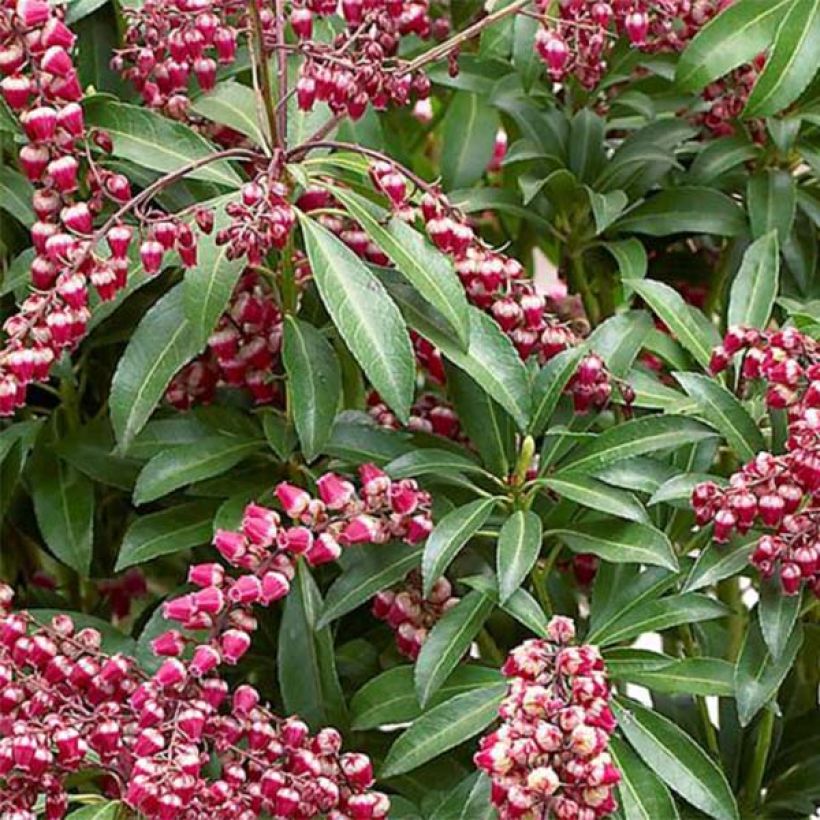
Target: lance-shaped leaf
305,662
621,542
428,270
448,642
520,605
163,342
431,462
791,62
235,105
450,535
677,760
443,728
315,383
688,676
643,794
778,615
549,385
754,288
390,697
519,544
689,326
736,35
107,810
725,413
366,317
595,495
375,568
718,561
163,533
771,197
468,137
638,437
620,338
758,675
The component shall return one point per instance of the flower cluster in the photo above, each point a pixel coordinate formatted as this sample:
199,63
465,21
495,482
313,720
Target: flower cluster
776,492
726,98
360,67
265,551
428,414
243,351
167,43
409,614
549,757
177,744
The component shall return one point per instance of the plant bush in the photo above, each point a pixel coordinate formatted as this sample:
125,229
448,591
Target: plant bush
410,409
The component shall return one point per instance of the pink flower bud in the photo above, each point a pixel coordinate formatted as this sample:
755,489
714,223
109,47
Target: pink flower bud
169,644
274,586
334,491
234,644
205,659
171,674
231,545
361,529
206,575
151,253
63,172
56,61
210,600
33,13
294,500
324,550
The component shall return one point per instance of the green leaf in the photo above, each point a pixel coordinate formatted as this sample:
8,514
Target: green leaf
689,676
660,614
491,360
431,462
89,449
672,754
163,533
156,142
687,209
689,326
791,62
595,495
279,432
366,317
549,385
755,286
606,208
520,605
467,138
450,535
376,567
15,195
106,810
315,382
586,147
637,437
519,544
719,561
478,805
621,542
619,339
390,698
442,728
448,642
64,506
772,201
778,615
630,255
209,285
183,465
163,342
758,675
234,105
305,662
719,156
725,413
488,427
735,36
428,270
643,794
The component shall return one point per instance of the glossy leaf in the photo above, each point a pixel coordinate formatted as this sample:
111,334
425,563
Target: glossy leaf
519,544
596,495
687,324
235,105
683,765
621,542
366,317
448,642
390,697
688,676
450,535
183,465
442,728
643,794
162,344
719,156
758,675
735,36
772,200
791,63
431,462
315,383
375,568
630,255
164,533
15,195
754,288
778,615
549,385
105,810
718,561
468,138
429,271
619,339
725,413
642,436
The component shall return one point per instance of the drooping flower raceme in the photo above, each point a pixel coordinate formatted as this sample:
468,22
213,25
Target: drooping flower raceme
775,492
177,744
549,757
